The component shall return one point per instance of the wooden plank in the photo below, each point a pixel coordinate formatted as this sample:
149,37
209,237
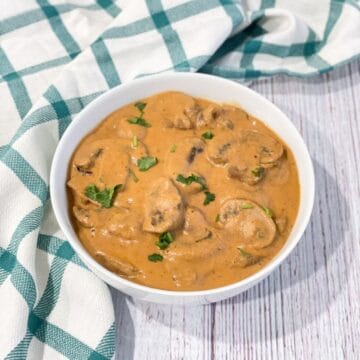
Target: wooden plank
309,308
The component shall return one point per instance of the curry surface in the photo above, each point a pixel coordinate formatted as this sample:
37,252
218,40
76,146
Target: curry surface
251,173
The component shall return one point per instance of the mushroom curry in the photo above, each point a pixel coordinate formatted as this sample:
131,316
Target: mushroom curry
180,193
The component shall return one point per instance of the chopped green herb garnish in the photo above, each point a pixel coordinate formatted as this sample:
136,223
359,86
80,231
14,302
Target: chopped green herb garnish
103,197
268,212
173,148
209,197
217,219
208,135
146,162
190,179
133,176
165,239
140,106
155,257
258,171
139,121
134,142
247,206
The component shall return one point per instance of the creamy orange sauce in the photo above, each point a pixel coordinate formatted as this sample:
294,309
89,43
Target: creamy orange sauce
245,172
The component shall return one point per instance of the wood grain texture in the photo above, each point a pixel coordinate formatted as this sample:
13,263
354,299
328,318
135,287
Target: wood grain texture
309,308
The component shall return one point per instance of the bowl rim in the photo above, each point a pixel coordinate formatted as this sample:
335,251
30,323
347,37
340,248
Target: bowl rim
241,284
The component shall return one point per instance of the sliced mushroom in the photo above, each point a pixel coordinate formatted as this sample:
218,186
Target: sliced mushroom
195,114
126,130
179,111
115,172
220,150
217,116
246,155
118,266
249,222
195,250
186,158
268,149
246,175
85,158
197,241
125,224
164,209
196,227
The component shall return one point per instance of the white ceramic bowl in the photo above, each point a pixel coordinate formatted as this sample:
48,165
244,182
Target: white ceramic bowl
208,87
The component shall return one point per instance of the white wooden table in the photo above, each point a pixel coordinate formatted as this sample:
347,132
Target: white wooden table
309,308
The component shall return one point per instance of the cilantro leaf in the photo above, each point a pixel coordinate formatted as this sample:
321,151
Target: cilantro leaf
244,253
247,206
103,197
190,179
173,148
140,106
165,239
268,212
258,171
155,257
134,142
209,197
208,135
146,162
136,120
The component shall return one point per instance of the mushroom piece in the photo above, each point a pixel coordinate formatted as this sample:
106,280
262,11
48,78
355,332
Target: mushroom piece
179,111
196,227
221,150
85,161
186,158
195,114
121,267
246,155
115,172
197,241
218,116
164,208
246,175
125,224
249,222
267,148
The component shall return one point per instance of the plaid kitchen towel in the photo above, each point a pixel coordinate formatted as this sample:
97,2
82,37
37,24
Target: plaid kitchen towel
56,56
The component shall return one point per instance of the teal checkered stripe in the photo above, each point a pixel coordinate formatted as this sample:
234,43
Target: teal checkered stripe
44,93
248,43
38,326
13,270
